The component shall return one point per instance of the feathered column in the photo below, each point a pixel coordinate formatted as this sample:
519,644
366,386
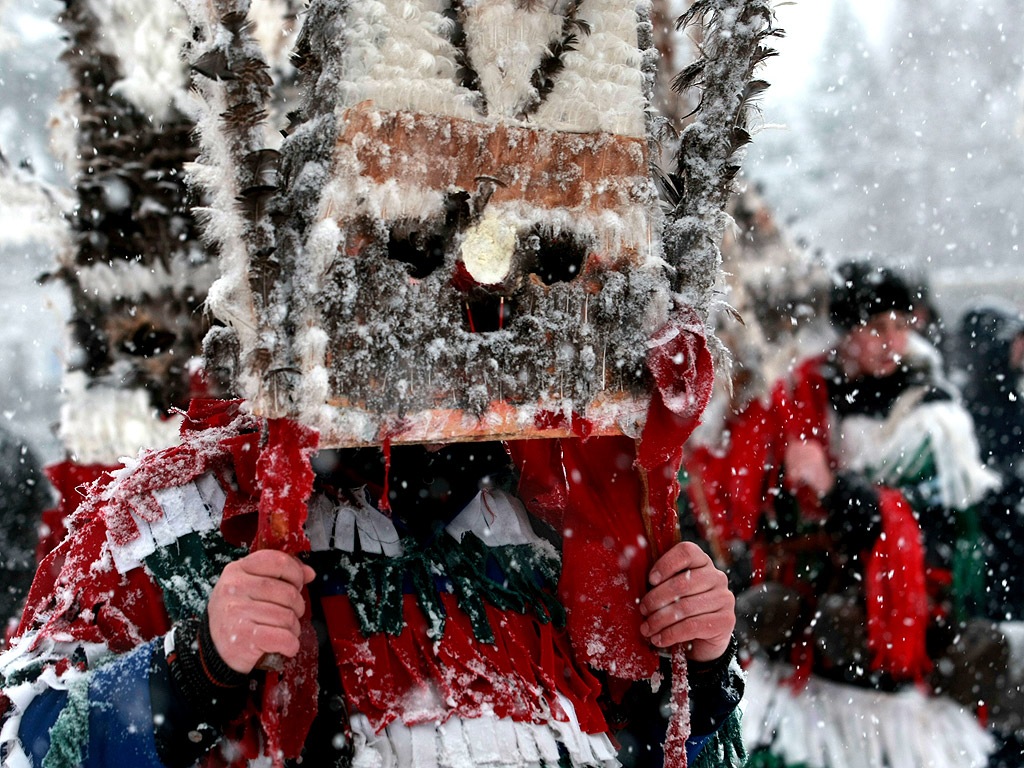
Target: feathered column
733,46
235,168
710,147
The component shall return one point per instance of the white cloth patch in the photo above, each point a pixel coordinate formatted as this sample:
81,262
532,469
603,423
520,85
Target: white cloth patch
195,507
377,534
320,523
497,518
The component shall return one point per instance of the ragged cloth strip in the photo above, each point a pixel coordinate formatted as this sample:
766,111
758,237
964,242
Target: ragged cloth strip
285,479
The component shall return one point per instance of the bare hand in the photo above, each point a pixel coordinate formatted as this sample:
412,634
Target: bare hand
807,467
255,608
690,603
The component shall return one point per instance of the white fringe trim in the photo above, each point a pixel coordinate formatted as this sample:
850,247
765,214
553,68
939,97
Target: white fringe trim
400,57
884,448
601,88
830,725
484,742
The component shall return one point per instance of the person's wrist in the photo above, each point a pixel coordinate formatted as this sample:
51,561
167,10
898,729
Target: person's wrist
217,669
716,666
212,689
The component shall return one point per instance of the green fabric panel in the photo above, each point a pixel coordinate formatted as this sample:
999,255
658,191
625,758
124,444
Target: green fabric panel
26,674
186,571
69,736
466,582
763,758
968,564
725,748
362,592
391,575
376,584
909,471
428,597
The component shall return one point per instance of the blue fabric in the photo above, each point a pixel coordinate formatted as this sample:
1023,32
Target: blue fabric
694,745
120,716
38,720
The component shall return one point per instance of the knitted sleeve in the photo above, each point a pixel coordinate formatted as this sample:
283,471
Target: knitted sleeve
194,693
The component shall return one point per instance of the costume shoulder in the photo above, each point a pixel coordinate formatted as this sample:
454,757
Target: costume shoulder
111,570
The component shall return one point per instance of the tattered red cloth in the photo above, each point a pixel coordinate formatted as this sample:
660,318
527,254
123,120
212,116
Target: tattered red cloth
416,679
69,479
729,484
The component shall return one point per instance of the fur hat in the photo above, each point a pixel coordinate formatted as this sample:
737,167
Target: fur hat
861,290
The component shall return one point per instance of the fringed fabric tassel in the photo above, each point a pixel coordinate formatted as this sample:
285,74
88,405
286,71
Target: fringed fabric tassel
519,578
725,748
69,736
522,675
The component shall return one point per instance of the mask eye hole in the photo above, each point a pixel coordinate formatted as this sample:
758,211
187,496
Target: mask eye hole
148,340
556,258
422,253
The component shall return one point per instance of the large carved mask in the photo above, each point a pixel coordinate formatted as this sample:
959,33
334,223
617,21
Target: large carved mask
465,233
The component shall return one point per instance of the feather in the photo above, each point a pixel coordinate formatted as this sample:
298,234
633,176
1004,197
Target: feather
214,65
262,166
243,117
543,78
671,187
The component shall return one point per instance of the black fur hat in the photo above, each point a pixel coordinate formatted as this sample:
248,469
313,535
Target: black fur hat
861,290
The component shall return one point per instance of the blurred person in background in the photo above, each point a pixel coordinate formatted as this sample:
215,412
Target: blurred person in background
873,449
860,484
991,361
23,496
992,356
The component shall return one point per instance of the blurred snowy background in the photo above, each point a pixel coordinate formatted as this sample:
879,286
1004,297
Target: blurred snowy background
893,127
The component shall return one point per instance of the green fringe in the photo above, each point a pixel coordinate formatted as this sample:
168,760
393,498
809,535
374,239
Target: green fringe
69,736
725,747
186,571
517,578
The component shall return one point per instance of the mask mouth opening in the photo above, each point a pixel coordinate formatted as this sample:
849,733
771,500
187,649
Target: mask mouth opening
487,312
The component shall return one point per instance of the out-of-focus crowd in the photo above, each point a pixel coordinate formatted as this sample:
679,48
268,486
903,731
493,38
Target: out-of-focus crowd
869,507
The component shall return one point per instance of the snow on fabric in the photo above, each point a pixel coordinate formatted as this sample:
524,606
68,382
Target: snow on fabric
831,725
525,672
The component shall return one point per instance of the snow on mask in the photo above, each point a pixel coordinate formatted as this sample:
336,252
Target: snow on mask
465,233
